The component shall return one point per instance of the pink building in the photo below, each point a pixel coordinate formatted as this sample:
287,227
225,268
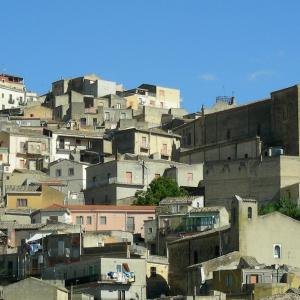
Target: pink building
99,217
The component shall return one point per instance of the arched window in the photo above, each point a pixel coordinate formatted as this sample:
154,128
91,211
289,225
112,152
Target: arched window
277,251
249,212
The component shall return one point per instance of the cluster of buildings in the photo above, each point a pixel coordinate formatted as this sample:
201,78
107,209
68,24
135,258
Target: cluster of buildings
72,161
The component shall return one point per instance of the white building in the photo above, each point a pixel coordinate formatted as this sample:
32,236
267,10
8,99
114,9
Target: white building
13,92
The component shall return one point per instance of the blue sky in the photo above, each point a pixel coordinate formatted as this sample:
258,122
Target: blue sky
204,48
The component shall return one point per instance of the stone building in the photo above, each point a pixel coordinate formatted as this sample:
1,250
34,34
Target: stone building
117,181
258,126
154,143
264,179
248,233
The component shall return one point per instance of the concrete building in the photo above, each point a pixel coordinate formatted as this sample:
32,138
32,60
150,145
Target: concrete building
152,95
32,196
178,217
99,217
69,144
255,281
154,143
29,288
73,175
90,84
117,181
13,92
96,277
247,230
24,149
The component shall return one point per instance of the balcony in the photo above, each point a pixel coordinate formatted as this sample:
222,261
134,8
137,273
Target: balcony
144,147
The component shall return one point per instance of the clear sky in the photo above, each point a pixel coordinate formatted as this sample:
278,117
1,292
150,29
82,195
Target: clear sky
204,48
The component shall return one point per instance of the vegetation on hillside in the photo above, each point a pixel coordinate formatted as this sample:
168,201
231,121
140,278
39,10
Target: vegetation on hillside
284,206
159,189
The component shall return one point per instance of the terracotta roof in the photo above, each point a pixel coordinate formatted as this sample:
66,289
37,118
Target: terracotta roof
104,207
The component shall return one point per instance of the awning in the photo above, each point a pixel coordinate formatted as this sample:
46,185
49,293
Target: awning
36,237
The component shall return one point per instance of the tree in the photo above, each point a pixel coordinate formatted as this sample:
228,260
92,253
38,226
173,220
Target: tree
284,206
159,189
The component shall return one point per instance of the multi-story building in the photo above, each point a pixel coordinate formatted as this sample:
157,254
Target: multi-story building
244,131
105,277
73,174
13,92
24,149
99,217
33,196
152,95
117,181
248,233
91,85
67,143
153,142
181,216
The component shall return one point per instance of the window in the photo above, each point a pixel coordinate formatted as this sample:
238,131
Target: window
277,251
161,104
153,271
2,95
89,220
284,113
228,280
150,230
71,172
258,129
94,179
164,150
128,177
1,157
78,142
58,172
22,163
253,279
130,224
79,220
53,218
228,134
118,105
144,142
107,116
83,122
190,177
103,220
95,121
195,257
22,146
249,212
189,139
21,202
246,155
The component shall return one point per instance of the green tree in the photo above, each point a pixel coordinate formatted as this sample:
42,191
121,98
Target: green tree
284,206
159,189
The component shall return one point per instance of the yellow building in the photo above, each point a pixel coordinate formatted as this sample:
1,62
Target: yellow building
152,95
32,196
157,276
38,111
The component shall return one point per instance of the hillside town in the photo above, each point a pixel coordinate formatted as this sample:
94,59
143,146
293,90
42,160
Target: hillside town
109,192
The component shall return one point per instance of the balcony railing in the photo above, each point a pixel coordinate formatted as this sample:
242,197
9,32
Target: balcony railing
114,180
